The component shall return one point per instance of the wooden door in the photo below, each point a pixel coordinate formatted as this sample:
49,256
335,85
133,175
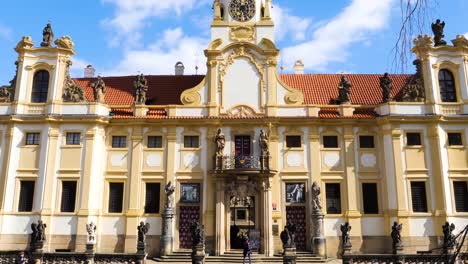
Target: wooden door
297,215
188,215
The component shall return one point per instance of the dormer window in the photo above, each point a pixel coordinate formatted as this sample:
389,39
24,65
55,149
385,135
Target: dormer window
448,93
40,87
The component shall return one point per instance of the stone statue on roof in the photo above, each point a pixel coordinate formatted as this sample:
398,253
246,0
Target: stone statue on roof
72,93
141,89
99,89
438,29
47,36
414,91
387,86
344,90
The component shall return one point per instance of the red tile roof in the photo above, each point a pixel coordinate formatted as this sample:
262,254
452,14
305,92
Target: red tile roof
322,89
359,113
162,90
318,89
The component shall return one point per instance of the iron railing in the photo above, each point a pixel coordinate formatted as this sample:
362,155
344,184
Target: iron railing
242,162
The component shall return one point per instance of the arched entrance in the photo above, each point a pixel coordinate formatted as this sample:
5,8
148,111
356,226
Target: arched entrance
243,206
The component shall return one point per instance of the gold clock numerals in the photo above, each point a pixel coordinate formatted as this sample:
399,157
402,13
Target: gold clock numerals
242,10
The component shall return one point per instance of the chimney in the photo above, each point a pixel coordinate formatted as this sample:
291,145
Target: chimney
299,67
179,68
89,71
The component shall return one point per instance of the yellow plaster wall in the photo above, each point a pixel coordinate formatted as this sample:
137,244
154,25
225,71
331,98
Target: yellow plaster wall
70,158
29,157
458,158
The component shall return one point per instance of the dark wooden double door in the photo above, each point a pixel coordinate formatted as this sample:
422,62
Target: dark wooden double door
297,215
188,215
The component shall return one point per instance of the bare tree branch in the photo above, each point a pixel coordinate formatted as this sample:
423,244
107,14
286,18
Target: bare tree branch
415,18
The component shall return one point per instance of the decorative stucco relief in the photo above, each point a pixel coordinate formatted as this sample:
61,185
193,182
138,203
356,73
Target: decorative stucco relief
331,159
368,160
191,160
153,160
294,160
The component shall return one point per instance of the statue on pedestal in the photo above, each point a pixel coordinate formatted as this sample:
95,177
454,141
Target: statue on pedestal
449,238
345,236
220,141
142,231
264,143
91,230
387,85
47,36
99,89
198,234
344,90
38,235
141,89
316,199
438,30
169,189
71,91
396,237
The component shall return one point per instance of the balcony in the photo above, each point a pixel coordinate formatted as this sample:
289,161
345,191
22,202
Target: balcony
233,163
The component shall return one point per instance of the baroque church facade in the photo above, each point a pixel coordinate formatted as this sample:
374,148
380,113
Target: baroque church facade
241,150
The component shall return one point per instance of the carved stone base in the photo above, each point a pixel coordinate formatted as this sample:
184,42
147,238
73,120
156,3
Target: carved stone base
289,256
89,248
141,247
198,255
167,236
320,246
397,249
319,242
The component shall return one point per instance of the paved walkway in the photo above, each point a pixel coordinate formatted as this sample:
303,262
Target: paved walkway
330,261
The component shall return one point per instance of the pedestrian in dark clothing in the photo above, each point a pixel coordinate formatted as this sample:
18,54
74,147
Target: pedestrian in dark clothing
21,259
247,250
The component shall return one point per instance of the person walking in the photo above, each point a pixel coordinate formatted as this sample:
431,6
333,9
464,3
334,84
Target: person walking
21,259
247,249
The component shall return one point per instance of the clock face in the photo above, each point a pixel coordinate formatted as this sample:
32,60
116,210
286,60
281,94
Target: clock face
242,10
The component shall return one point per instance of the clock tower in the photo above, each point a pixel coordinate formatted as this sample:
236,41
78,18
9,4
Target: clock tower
242,20
242,78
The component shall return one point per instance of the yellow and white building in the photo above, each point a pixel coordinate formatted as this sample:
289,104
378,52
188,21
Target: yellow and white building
70,163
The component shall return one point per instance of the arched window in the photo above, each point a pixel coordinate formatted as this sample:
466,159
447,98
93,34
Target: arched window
40,87
447,86
222,12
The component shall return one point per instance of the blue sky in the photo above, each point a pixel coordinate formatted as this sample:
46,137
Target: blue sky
122,37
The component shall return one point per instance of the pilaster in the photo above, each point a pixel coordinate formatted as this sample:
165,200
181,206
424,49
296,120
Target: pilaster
9,133
134,207
267,218
438,175
212,83
220,218
49,179
353,215
88,178
401,213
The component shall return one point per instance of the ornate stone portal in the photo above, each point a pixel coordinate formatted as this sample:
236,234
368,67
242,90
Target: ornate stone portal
243,188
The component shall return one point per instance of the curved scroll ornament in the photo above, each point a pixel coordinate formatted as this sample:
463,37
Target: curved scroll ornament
192,96
65,42
242,111
293,96
240,52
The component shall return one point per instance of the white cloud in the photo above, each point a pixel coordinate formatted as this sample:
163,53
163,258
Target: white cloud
131,15
160,57
77,68
6,32
466,35
288,24
331,41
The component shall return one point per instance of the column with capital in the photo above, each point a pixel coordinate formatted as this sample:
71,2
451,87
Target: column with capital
267,239
220,218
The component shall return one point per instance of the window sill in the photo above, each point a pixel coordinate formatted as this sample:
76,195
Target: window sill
190,149
416,214
113,214
457,147
72,146
330,149
152,215
293,149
